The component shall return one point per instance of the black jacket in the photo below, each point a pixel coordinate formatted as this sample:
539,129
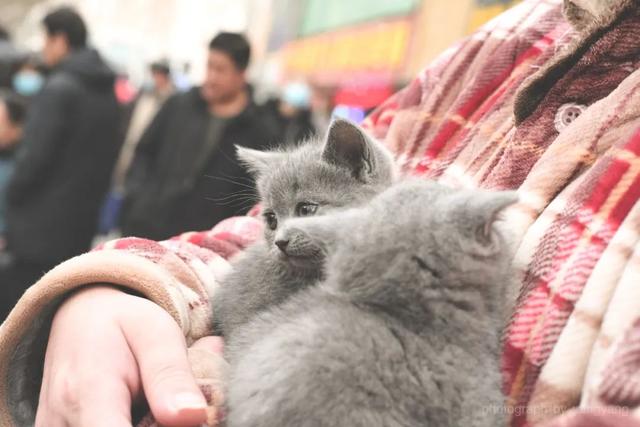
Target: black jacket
212,183
64,162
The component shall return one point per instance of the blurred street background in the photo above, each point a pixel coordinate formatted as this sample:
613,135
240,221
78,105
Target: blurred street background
360,49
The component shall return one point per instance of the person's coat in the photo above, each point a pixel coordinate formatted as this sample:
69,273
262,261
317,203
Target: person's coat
180,182
63,166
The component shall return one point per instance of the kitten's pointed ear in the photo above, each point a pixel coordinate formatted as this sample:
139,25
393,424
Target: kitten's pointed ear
347,145
257,162
481,211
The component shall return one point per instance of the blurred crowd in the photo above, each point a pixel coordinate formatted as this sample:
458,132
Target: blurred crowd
83,153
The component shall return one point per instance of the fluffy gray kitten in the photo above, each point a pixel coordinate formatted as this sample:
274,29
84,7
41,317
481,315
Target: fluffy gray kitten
405,329
345,169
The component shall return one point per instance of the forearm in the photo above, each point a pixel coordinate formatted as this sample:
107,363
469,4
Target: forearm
180,275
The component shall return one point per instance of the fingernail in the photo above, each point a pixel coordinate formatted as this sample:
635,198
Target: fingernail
188,402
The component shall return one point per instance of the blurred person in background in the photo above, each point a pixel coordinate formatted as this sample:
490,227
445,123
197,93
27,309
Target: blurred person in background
12,115
322,105
185,174
137,118
143,109
182,79
64,163
292,112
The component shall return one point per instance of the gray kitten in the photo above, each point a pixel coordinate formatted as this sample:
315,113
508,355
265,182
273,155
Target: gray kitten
346,169
405,329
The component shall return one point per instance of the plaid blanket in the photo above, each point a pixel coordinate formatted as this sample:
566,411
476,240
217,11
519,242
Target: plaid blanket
531,102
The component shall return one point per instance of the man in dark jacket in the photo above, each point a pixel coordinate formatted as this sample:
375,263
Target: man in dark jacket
65,160
185,175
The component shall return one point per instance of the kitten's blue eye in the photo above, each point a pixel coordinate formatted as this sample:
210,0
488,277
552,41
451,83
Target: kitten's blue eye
271,220
306,209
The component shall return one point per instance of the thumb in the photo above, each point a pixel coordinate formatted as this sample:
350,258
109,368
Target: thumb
170,388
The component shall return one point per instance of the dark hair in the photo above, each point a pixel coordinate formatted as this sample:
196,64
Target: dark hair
67,21
16,107
235,45
4,33
161,67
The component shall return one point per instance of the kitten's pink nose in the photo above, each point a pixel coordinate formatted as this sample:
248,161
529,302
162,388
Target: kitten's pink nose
282,244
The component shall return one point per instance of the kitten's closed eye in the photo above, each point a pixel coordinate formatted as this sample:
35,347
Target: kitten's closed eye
271,219
424,266
306,209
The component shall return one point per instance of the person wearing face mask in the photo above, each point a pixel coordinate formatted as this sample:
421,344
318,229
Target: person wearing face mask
64,162
28,80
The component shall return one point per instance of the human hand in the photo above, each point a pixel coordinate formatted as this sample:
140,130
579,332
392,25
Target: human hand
106,350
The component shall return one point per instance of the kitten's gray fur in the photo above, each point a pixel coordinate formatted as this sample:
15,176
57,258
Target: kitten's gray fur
403,332
345,169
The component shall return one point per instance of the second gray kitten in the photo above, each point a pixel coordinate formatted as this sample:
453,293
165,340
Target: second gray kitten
345,169
405,329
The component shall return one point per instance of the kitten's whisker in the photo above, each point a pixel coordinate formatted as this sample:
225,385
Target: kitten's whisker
250,180
235,197
238,194
249,201
244,209
231,181
228,202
